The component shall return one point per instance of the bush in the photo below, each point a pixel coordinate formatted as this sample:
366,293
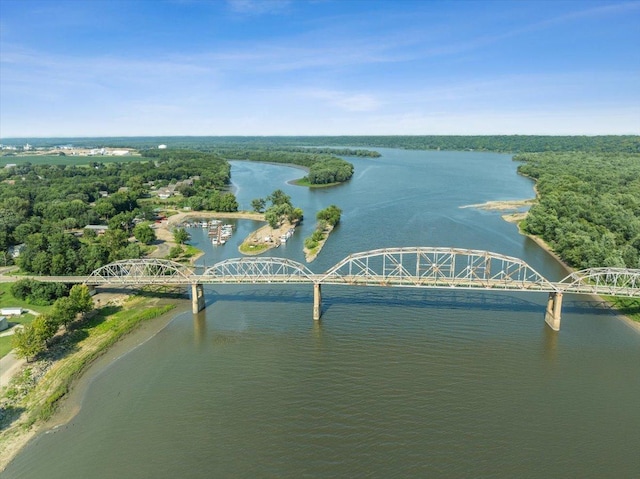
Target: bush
310,243
38,293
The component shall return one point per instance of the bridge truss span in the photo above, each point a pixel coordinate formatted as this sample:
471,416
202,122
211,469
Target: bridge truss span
257,270
408,267
137,272
606,281
434,267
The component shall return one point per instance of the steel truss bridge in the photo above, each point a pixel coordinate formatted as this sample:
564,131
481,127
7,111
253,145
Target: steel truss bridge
411,267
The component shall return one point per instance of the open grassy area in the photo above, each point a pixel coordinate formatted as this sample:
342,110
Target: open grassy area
305,182
248,248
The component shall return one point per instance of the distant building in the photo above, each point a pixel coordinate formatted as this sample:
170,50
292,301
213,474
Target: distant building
99,229
165,193
11,311
120,152
162,147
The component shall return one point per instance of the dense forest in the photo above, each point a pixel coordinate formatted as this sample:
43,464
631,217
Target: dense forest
588,208
46,207
498,143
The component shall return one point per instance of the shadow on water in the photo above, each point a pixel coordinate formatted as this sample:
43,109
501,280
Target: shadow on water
459,300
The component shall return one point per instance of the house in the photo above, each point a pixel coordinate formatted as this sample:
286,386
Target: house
3,323
99,229
165,193
11,311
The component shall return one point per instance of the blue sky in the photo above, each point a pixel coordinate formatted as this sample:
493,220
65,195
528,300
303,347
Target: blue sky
318,67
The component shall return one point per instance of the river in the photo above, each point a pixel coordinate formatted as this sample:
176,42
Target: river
392,382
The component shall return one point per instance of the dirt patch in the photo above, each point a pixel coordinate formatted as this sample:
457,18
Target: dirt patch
502,205
265,238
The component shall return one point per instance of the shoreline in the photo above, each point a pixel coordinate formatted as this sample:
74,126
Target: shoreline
19,434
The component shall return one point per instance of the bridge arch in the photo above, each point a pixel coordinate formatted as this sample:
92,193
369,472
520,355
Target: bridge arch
437,267
141,272
258,270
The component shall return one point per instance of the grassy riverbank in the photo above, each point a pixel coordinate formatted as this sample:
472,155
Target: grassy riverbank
33,395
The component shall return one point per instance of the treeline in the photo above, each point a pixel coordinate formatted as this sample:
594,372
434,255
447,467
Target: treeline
588,208
37,292
498,143
45,207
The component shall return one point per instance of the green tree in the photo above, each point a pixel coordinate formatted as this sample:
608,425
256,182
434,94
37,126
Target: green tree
27,343
64,311
279,197
114,241
45,327
258,205
331,215
180,235
271,216
144,233
175,252
81,299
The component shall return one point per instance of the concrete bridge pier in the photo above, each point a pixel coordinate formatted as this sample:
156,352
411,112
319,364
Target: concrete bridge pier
554,310
197,298
317,301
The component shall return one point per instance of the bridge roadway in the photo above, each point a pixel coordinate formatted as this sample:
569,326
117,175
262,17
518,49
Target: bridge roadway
411,267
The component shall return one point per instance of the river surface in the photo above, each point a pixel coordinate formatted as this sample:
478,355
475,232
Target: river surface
392,382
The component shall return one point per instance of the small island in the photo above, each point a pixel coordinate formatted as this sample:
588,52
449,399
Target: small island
327,218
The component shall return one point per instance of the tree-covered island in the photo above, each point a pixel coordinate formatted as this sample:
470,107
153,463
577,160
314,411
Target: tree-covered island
328,219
